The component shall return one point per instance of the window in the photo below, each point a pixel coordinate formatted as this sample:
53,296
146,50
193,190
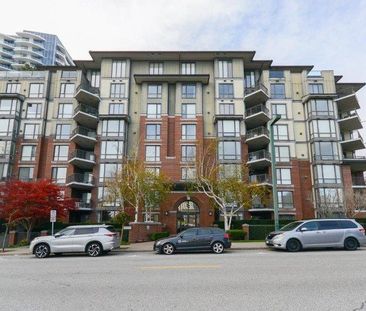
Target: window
13,88
316,88
68,74
108,171
279,109
6,127
9,106
278,90
230,171
152,153
188,131
229,150
327,174
65,111
116,108
31,131
154,91
329,196
188,173
156,68
4,167
249,77
118,69
283,176
282,153
276,74
59,174
36,90
325,150
67,90
226,90
6,148
188,153
188,68
154,111
113,128
322,128
311,226
28,153
228,128
188,91
321,107
34,111
152,131
153,170
117,90
285,199
225,68
111,149
227,109
82,231
95,78
60,152
26,173
280,132
63,131
188,111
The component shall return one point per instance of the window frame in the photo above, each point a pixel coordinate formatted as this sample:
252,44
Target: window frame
281,179
184,130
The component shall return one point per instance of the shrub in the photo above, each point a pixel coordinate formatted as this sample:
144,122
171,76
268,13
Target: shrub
23,243
158,235
236,234
259,232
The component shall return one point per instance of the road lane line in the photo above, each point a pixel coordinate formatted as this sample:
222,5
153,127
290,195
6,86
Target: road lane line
180,267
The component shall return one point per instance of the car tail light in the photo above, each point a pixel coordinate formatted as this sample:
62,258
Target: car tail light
110,234
226,236
362,230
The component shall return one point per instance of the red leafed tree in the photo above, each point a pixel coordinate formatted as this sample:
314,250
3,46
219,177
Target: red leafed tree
30,202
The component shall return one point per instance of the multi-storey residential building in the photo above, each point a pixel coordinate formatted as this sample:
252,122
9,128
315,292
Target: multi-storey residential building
33,48
74,125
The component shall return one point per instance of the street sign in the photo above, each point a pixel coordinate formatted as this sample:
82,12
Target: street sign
53,214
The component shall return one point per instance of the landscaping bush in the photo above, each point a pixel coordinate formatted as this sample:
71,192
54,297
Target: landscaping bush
23,243
259,232
236,234
158,235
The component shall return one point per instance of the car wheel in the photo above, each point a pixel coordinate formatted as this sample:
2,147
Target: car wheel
293,245
218,248
168,249
350,244
58,254
41,250
94,249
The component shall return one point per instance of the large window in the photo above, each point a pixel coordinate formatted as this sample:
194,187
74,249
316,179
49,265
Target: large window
188,131
4,170
249,77
279,109
156,68
225,68
282,153
6,148
228,128
60,152
283,176
67,90
118,69
188,111
113,128
59,174
325,150
69,74
95,78
278,90
188,91
154,91
116,108
229,150
276,74
26,173
111,149
117,90
227,109
153,131
63,131
188,173
152,153
327,174
230,171
108,171
65,111
31,131
153,111
28,153
36,90
188,68
285,199
316,88
188,153
321,107
9,106
6,127
329,196
13,88
226,90
322,129
34,111
280,132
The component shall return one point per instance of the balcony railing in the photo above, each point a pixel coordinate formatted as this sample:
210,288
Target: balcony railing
88,88
80,178
84,131
358,181
87,109
257,132
256,109
259,155
83,205
260,178
256,87
82,154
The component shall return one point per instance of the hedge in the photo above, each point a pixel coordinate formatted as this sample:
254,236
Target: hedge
236,234
158,235
259,232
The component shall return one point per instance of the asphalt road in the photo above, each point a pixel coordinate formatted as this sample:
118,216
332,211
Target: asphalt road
241,280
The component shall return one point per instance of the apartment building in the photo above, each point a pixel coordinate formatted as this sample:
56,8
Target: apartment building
74,124
32,48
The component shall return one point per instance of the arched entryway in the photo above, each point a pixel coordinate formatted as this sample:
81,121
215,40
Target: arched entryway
188,215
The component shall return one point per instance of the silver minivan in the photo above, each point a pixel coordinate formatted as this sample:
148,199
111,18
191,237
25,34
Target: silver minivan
318,233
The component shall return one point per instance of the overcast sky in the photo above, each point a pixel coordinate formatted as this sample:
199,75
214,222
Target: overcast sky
329,34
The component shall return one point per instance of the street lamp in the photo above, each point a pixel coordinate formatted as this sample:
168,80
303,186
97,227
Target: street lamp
274,173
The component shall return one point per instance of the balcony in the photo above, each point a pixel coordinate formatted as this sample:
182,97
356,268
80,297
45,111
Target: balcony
257,138
257,115
257,94
82,159
87,94
261,179
358,182
347,103
84,137
309,96
260,159
351,144
83,205
80,181
86,116
350,122
357,163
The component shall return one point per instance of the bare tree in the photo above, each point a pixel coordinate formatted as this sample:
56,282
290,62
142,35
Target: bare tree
355,201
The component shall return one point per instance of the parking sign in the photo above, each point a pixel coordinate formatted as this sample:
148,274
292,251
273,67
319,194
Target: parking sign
53,215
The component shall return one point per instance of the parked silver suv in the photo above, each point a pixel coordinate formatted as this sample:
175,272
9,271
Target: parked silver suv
93,240
318,233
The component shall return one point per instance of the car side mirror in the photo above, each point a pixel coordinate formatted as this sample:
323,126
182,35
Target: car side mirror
57,235
181,236
304,229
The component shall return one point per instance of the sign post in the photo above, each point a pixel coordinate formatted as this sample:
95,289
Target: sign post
53,215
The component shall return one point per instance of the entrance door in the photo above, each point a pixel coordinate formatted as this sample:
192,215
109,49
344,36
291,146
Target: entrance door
188,215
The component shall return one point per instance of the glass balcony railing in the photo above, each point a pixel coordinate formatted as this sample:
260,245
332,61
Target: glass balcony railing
86,109
260,179
82,154
84,131
259,155
262,130
256,109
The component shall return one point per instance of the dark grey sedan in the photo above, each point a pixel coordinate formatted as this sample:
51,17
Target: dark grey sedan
194,239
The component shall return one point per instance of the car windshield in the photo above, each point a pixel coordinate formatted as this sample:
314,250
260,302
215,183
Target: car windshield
291,226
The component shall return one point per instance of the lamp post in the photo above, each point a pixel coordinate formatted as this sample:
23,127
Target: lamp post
274,173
